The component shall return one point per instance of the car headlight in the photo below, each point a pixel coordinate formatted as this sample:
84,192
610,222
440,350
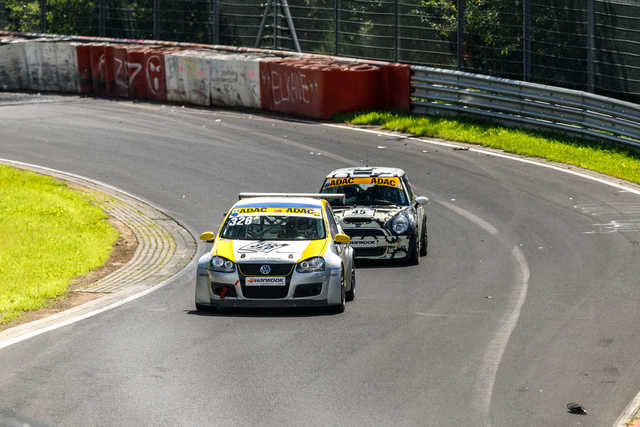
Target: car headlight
221,264
311,265
400,223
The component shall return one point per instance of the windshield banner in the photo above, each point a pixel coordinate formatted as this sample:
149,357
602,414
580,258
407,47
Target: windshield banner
257,210
373,180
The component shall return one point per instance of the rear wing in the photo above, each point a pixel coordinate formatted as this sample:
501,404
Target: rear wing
309,195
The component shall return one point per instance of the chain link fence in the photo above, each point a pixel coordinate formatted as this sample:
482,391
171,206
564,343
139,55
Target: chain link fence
589,45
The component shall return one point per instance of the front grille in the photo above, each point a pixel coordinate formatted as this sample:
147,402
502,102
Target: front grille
308,290
364,232
270,292
361,252
247,269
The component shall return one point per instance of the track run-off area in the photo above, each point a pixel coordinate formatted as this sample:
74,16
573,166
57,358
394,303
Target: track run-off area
527,300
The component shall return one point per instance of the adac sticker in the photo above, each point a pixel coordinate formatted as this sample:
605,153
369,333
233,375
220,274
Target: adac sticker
285,211
392,181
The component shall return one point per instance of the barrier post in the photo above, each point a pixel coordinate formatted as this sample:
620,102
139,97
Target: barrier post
526,40
215,21
156,15
590,47
460,18
102,21
43,16
336,25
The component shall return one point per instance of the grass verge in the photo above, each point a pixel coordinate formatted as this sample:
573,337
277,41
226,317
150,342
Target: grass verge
49,235
601,157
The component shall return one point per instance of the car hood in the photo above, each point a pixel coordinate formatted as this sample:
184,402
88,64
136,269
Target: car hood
361,215
276,250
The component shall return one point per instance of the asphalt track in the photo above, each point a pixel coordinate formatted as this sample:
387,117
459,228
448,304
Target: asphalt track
527,300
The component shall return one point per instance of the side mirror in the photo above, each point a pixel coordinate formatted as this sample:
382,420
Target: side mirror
207,236
422,200
342,238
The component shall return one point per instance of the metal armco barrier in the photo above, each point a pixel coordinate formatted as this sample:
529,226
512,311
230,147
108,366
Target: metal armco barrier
444,92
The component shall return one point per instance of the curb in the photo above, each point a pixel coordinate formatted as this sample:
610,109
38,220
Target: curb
166,249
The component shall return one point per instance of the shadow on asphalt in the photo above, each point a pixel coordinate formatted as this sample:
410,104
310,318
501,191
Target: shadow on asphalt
265,312
382,263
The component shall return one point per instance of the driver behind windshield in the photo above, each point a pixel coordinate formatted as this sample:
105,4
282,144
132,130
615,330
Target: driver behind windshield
367,195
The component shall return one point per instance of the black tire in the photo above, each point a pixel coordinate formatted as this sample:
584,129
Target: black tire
413,258
350,295
424,239
340,307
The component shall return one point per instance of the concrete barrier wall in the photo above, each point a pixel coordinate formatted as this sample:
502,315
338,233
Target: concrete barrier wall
304,85
13,66
235,81
188,77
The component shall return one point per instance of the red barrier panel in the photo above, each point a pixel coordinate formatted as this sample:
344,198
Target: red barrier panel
98,69
135,71
155,74
117,80
318,88
395,85
84,69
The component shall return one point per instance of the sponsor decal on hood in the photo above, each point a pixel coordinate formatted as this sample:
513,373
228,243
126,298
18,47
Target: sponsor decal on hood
260,250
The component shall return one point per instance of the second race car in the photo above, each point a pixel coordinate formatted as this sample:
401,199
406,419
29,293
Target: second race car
380,212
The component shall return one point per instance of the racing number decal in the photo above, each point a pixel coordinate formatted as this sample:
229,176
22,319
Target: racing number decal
240,220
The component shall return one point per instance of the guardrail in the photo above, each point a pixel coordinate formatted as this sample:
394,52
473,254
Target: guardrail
438,91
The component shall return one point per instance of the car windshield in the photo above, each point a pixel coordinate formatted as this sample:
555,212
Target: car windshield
370,191
273,227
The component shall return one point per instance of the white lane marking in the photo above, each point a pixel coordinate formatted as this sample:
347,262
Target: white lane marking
485,380
469,314
486,376
623,188
628,412
486,226
494,154
80,317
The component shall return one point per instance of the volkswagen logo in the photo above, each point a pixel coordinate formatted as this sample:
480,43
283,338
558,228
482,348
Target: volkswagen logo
265,269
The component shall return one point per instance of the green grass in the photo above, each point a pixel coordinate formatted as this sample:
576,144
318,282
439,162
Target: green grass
49,234
597,156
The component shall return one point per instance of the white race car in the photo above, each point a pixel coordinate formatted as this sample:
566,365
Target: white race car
277,250
380,212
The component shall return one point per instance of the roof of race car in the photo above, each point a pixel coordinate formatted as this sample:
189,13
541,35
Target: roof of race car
279,202
366,172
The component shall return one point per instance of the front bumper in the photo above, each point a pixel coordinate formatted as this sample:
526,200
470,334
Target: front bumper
377,244
217,289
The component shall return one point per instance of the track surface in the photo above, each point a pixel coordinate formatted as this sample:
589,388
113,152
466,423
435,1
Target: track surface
523,304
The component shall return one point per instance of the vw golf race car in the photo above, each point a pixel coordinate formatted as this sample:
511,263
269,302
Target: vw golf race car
380,213
277,250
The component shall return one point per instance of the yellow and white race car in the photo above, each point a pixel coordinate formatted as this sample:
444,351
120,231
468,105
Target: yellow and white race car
277,250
